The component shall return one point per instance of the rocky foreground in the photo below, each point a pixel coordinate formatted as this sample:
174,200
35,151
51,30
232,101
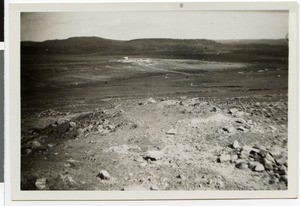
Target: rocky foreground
159,144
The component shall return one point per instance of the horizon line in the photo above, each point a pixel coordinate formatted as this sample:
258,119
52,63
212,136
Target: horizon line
150,38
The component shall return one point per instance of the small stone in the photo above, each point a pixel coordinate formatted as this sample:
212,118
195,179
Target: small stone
172,131
143,164
250,122
100,128
154,187
139,159
254,151
247,148
233,110
276,152
41,184
111,127
229,129
224,158
151,101
277,175
153,155
35,144
72,124
263,152
260,147
28,151
238,161
270,158
284,178
268,164
104,175
242,165
281,161
241,128
181,176
274,180
240,121
282,170
236,144
244,155
273,129
259,167
89,128
233,158
50,145
79,132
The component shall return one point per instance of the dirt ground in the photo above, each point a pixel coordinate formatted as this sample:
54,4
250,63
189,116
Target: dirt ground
161,144
154,124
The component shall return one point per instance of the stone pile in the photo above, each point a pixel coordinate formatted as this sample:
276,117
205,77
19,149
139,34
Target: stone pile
258,159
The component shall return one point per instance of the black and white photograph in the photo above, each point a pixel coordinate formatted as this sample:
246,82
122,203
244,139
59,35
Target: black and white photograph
154,101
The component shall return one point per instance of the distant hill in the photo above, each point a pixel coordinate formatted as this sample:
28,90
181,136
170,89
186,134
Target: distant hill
88,45
274,42
267,50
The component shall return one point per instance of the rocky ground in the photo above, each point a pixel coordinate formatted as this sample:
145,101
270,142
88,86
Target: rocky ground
178,143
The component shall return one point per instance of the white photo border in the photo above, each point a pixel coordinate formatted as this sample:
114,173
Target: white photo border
13,101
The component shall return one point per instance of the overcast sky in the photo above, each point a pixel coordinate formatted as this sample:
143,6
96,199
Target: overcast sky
134,25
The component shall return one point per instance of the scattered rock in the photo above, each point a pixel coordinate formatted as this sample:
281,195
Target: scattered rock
238,161
28,151
259,167
181,176
273,129
284,178
224,158
172,131
236,144
268,164
242,165
282,170
150,101
154,187
80,132
50,145
153,155
250,122
233,158
263,152
35,144
72,124
139,159
103,175
100,128
241,128
254,150
214,109
68,180
274,180
88,128
240,121
270,158
281,161
229,129
111,127
41,184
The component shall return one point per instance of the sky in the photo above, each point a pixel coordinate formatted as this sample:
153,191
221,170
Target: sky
215,25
